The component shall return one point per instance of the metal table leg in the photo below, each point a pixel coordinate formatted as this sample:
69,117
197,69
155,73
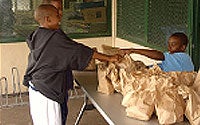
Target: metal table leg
82,110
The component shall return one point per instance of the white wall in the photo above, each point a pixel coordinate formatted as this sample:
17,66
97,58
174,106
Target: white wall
12,55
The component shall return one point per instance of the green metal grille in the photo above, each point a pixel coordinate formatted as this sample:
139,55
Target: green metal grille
131,20
166,17
151,22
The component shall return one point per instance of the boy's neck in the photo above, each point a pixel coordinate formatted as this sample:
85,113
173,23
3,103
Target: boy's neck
176,52
47,27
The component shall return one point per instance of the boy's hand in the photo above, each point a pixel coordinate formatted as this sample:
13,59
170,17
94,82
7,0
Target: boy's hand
115,58
123,52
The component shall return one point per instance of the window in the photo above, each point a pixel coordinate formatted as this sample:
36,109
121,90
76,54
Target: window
81,18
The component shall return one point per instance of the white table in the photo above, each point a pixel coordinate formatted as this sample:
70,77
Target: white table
109,106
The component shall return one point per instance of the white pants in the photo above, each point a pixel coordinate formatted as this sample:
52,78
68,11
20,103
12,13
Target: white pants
44,111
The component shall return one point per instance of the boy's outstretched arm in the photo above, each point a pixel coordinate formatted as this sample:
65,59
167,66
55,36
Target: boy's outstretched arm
104,57
153,54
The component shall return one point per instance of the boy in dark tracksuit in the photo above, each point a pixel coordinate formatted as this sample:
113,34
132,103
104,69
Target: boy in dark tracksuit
52,53
64,109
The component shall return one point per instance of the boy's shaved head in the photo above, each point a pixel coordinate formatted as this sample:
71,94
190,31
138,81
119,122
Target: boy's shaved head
44,10
182,37
56,3
49,1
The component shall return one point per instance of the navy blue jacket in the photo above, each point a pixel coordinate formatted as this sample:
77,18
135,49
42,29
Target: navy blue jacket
51,55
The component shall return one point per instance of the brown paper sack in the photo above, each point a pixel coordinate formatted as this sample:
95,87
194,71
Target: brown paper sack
128,73
113,75
192,111
169,107
105,85
196,85
186,78
133,84
130,65
91,66
126,98
126,82
141,105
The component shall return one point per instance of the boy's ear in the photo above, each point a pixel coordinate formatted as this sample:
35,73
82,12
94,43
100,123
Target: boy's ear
183,48
47,19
